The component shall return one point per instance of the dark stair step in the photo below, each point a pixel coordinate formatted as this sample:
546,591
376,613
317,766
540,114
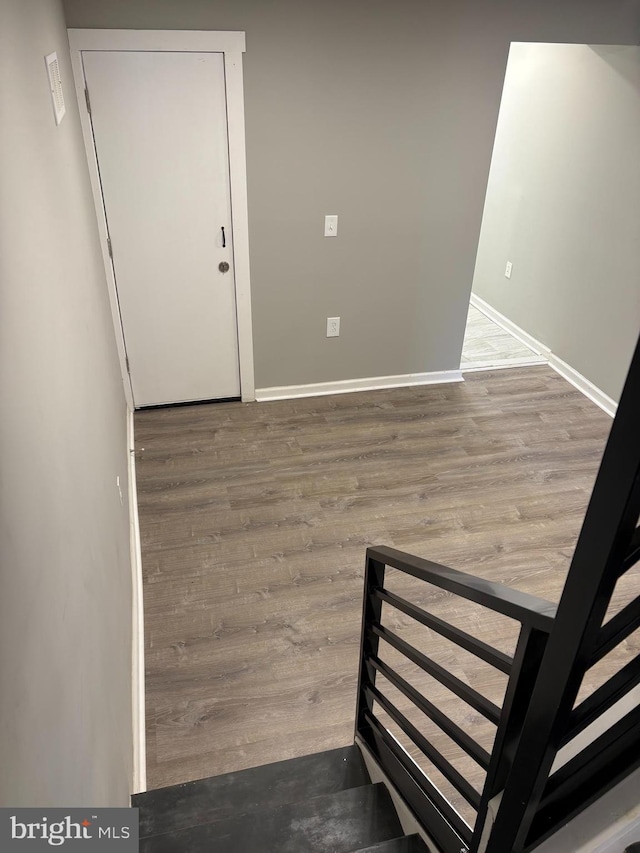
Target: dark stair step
220,797
406,844
347,820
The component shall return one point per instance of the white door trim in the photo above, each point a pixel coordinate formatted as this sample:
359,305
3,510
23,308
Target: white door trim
232,45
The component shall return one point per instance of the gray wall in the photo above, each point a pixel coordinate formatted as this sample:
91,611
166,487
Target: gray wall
65,577
385,114
563,205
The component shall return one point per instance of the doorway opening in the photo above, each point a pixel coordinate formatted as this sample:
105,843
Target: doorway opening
558,202
488,345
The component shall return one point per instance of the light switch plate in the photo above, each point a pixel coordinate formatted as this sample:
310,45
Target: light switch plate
331,225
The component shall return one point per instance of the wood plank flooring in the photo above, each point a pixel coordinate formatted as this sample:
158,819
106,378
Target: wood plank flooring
254,523
486,345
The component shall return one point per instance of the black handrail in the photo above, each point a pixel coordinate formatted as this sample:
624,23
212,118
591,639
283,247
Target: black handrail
633,554
457,735
556,647
578,782
466,641
524,608
617,629
608,546
535,616
605,697
477,701
432,809
444,766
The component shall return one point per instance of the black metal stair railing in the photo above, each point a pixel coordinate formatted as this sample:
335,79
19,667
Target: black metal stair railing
431,806
539,798
525,797
615,751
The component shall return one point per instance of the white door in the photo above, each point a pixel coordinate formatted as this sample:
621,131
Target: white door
160,131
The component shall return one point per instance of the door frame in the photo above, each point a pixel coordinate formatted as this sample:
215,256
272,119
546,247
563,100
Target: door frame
232,46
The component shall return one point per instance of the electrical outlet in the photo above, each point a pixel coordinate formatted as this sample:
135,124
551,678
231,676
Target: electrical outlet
333,327
507,272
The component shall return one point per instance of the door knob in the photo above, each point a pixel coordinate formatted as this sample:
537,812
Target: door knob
223,266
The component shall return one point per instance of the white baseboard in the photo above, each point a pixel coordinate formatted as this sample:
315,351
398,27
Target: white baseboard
582,384
137,652
565,370
347,386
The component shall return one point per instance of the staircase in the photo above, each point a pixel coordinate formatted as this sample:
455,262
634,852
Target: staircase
323,803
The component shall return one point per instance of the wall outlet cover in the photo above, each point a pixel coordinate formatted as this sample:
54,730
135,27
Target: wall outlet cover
333,327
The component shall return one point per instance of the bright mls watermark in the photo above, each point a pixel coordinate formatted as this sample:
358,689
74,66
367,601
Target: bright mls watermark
69,829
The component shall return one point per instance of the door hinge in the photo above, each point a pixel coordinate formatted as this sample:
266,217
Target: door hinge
126,361
86,97
109,247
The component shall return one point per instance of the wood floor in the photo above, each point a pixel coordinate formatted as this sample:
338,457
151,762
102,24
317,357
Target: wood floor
487,345
254,523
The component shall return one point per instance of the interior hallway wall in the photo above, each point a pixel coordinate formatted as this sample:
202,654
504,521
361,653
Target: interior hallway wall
65,576
563,205
385,114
